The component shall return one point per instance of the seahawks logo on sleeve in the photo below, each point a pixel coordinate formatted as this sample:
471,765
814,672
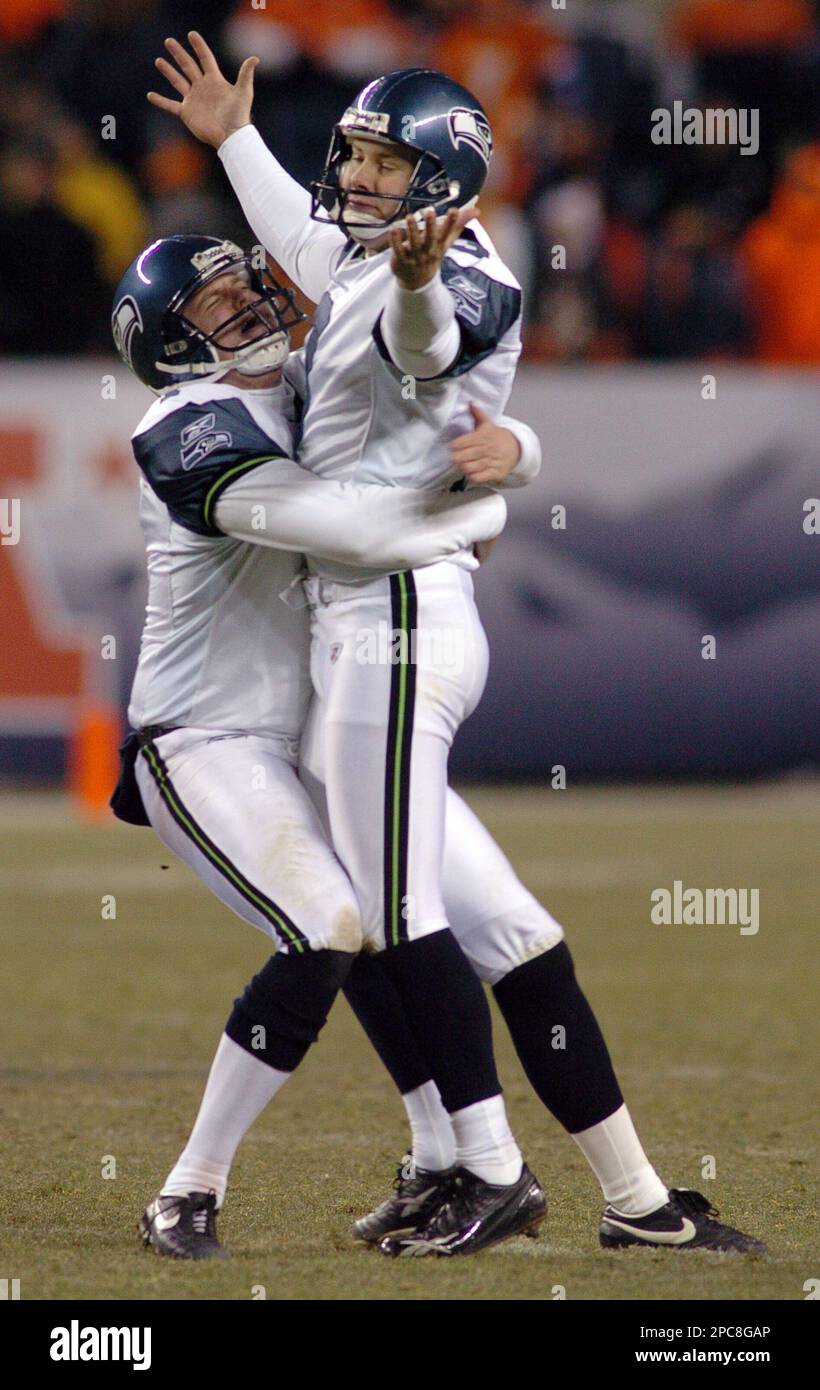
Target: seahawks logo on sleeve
194,453
200,438
485,309
469,297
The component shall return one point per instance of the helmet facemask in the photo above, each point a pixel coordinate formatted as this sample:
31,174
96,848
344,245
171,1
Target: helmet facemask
428,187
191,352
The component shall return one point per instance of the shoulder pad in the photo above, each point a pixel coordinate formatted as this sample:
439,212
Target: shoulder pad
192,452
485,308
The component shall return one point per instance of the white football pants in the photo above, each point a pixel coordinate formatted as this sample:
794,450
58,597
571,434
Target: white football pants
397,664
233,808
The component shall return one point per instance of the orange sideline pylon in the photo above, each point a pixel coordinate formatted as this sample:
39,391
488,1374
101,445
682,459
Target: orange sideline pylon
93,764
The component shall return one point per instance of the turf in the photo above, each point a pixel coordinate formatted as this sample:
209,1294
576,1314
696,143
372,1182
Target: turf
107,1028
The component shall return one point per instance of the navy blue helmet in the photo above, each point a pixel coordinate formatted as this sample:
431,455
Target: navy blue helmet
440,125
163,347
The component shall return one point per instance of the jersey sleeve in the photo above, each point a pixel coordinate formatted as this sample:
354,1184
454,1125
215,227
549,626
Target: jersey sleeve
194,453
278,210
529,463
485,308
378,528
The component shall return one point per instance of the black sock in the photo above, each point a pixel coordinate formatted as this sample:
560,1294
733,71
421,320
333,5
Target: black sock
378,1006
448,1014
570,1071
285,1006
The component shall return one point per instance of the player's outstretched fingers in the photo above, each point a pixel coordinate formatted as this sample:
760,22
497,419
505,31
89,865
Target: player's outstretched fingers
207,61
183,59
244,78
165,103
171,74
454,224
395,236
414,234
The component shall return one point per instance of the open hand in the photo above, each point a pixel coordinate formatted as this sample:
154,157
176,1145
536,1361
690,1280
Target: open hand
488,454
419,251
211,107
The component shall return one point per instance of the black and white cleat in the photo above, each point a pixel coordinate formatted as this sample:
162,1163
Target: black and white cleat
686,1222
418,1193
183,1228
475,1215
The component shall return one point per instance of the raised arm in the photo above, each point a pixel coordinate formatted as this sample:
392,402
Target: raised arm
278,210
218,112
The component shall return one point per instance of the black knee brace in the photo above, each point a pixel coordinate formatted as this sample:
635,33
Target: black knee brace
284,1008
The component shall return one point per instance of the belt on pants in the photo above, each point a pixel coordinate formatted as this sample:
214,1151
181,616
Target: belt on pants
319,591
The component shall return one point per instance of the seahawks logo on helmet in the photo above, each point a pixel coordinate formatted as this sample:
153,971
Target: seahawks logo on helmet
471,128
125,321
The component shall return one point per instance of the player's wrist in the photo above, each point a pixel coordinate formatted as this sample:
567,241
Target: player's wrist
416,283
423,284
229,131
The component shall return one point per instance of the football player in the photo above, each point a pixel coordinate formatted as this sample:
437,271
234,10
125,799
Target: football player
409,294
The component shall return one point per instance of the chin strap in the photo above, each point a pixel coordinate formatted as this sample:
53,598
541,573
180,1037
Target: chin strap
368,228
254,360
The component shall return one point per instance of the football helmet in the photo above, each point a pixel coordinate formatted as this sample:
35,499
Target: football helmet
163,347
438,124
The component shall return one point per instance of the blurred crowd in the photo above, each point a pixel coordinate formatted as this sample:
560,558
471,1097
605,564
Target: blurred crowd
669,251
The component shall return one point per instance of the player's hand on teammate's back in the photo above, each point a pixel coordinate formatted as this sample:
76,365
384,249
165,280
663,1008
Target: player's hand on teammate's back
483,549
417,251
211,107
488,454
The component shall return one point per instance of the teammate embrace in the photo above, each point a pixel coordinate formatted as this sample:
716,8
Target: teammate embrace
416,334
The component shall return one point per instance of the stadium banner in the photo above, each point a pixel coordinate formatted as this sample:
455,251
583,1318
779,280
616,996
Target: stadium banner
653,608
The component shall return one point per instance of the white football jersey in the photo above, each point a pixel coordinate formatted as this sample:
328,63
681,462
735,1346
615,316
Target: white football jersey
362,418
366,421
219,649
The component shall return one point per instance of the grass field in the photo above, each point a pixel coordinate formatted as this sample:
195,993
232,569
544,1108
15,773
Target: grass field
108,1027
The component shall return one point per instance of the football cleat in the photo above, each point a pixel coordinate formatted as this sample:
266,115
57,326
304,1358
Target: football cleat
686,1222
419,1193
475,1215
183,1228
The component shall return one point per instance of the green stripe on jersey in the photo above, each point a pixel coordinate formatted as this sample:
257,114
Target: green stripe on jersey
222,482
